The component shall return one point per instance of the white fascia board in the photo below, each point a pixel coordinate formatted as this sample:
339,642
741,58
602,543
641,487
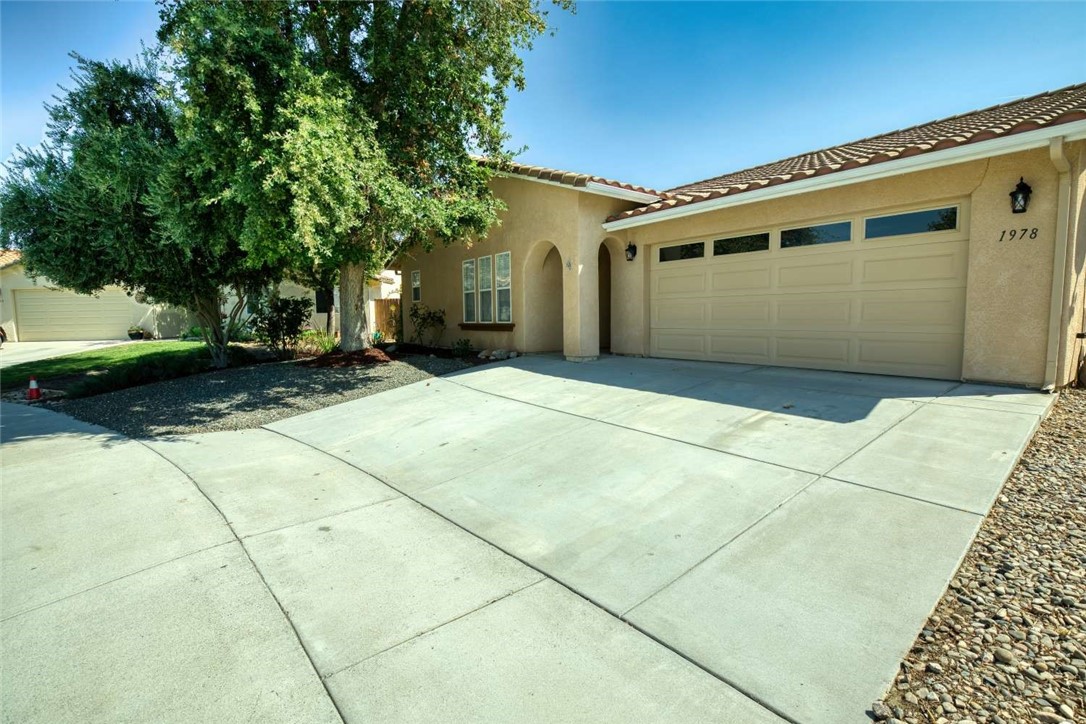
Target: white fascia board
959,154
591,187
616,192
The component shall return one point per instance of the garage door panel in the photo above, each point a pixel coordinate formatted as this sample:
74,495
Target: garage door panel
680,283
681,346
678,314
739,348
913,310
735,312
923,355
741,280
814,275
812,351
48,315
807,313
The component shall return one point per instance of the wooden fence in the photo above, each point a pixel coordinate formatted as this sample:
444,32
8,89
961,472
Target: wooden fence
387,317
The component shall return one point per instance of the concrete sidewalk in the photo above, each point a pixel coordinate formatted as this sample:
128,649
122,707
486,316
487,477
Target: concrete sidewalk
153,583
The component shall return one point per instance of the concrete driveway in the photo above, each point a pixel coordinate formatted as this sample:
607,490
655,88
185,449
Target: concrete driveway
14,353
625,540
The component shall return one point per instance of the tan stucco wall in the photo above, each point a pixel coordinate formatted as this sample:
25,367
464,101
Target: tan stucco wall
160,320
540,218
1009,283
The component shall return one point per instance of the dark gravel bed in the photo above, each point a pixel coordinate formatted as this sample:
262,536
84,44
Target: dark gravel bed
1007,643
245,397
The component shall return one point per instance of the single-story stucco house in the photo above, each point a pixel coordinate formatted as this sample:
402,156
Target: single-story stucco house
34,310
954,249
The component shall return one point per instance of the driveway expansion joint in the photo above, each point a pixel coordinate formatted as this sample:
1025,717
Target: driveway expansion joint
420,634
260,575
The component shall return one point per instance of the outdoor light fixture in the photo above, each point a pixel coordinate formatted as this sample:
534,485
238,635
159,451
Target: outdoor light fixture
1020,197
631,251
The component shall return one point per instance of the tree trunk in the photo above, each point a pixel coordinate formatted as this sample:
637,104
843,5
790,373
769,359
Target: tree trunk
209,314
352,313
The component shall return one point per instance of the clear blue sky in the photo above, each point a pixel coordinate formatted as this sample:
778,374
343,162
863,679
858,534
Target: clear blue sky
666,93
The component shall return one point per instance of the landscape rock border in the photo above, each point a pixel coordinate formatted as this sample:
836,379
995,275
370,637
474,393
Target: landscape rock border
1007,642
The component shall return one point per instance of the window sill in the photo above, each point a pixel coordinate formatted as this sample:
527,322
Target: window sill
487,327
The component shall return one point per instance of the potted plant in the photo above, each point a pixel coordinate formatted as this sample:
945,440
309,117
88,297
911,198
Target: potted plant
135,332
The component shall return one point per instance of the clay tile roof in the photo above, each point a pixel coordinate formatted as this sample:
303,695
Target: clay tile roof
1027,114
9,257
569,178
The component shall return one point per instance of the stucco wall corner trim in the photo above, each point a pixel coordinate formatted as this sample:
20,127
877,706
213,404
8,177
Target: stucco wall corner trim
1040,138
1061,278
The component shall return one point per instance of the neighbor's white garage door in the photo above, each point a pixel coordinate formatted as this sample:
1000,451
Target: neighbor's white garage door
44,315
891,304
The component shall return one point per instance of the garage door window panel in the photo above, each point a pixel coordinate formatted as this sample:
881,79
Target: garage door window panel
682,252
741,244
912,222
815,235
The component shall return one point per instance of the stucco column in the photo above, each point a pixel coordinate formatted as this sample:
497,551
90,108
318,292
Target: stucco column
582,302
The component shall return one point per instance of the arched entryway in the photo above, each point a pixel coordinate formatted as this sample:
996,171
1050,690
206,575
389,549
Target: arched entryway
604,266
543,299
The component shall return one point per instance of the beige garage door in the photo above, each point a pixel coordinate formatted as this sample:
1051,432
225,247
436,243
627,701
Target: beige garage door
44,315
879,294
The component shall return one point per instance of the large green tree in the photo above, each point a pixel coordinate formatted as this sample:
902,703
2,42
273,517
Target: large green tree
87,206
339,134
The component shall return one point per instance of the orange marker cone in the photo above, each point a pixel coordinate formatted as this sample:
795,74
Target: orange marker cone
33,393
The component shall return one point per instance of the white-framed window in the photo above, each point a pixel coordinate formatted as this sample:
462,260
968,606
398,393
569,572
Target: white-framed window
416,286
503,285
468,284
486,289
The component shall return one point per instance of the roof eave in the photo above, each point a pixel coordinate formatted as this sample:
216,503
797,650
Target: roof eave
1073,131
592,187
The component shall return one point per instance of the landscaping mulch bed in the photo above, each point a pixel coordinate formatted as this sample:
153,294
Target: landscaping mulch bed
339,359
248,397
1007,643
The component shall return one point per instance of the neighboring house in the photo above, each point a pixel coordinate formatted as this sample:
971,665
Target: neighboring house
385,286
898,254
36,311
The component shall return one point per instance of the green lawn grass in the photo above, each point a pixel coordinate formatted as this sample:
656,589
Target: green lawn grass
112,368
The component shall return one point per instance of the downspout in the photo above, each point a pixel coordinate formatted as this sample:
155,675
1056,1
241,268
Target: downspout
1061,280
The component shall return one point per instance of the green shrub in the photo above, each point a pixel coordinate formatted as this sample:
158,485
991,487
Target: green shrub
429,324
278,322
462,348
317,342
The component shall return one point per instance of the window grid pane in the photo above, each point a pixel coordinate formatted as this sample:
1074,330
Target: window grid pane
505,305
469,306
503,270
683,251
741,244
486,306
820,234
416,286
912,222
485,273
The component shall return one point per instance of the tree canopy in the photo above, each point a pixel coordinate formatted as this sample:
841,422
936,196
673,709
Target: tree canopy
303,135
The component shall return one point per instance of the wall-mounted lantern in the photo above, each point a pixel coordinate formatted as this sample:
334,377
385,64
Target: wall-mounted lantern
1020,197
631,251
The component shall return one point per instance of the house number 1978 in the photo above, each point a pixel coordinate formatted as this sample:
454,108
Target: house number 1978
1012,234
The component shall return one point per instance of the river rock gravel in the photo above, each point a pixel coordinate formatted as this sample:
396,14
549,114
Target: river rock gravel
1007,643
245,397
